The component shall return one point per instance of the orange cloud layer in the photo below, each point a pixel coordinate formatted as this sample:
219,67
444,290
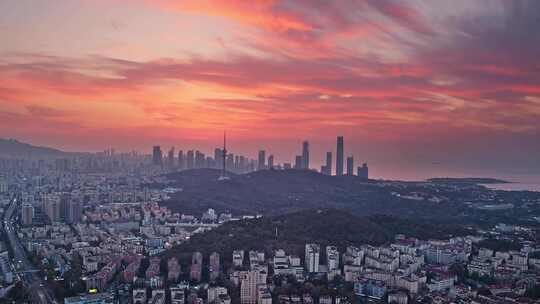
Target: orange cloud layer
380,71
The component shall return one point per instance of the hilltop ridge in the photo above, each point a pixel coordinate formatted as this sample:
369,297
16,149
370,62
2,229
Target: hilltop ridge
15,148
275,192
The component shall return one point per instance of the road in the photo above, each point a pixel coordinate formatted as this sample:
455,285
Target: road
37,288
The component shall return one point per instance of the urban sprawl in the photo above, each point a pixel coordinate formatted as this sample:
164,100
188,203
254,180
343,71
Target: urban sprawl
92,224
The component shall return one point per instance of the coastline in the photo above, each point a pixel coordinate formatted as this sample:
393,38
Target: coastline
514,186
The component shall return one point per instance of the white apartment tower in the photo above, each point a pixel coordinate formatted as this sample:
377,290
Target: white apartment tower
312,257
248,286
332,257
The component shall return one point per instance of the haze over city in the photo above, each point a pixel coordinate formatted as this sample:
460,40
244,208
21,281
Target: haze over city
446,88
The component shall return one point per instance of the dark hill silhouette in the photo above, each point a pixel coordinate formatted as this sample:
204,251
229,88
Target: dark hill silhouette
15,148
274,192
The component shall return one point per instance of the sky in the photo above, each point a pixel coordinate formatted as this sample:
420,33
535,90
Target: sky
424,87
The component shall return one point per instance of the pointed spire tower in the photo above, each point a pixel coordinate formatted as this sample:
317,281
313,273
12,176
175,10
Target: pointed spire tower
223,175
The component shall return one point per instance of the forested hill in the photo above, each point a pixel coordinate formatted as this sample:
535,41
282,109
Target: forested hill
292,231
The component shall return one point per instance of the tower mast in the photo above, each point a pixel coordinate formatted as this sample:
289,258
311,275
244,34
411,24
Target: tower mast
223,173
224,158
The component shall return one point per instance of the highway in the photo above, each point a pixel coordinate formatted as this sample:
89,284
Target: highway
37,288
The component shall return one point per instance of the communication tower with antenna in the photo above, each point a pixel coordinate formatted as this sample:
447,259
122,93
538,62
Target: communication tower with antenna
223,175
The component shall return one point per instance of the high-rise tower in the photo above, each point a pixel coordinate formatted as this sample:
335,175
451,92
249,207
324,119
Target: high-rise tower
339,156
74,212
157,156
190,159
271,162
262,159
170,158
350,165
181,160
305,155
218,157
298,162
363,172
328,166
27,214
312,257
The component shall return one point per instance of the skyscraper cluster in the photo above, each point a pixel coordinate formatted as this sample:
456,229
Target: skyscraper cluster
340,157
60,208
326,169
194,159
302,161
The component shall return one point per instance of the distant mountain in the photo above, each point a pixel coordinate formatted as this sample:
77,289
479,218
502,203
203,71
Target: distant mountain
325,227
274,192
15,148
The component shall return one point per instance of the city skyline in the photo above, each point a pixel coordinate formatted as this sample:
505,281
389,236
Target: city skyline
320,158
445,88
226,160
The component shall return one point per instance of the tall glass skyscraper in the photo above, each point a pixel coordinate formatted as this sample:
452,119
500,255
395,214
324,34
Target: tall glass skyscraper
305,155
339,156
